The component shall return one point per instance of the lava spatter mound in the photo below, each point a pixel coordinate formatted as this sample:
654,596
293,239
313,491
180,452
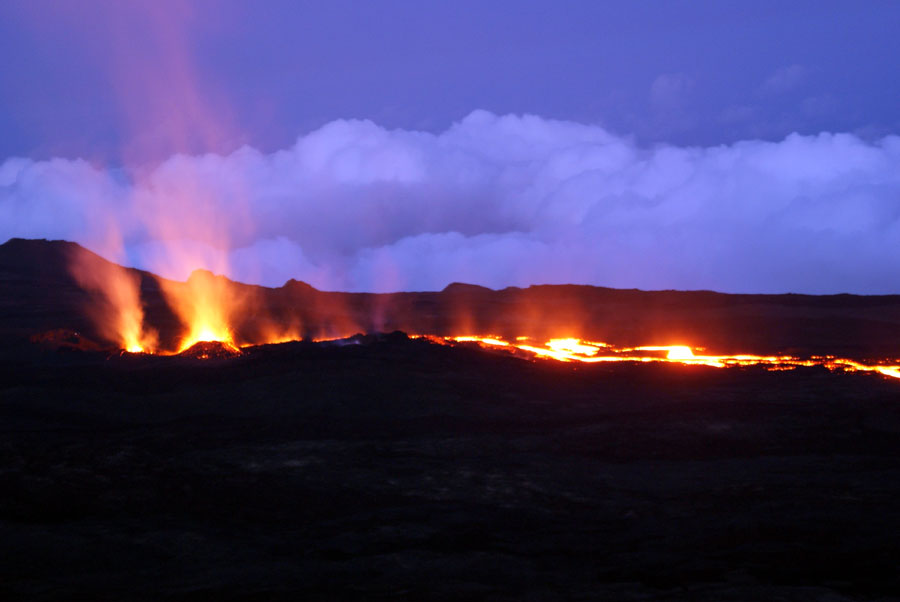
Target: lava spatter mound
207,350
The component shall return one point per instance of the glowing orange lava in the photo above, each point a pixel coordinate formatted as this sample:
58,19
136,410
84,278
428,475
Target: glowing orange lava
208,324
207,306
115,305
204,333
577,350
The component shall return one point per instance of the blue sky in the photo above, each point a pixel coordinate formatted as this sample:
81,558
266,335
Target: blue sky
400,145
688,73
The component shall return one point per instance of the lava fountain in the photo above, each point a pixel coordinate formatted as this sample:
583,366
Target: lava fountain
115,303
205,304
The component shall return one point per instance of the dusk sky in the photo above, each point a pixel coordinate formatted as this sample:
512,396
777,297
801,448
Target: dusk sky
734,146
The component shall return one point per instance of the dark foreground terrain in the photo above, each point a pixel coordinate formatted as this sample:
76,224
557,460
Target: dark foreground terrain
398,469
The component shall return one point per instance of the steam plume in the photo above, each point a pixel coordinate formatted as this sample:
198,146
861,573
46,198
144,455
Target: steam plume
493,200
116,305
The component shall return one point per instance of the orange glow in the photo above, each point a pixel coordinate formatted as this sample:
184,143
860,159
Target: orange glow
680,353
577,350
208,323
207,331
200,303
202,332
573,346
115,305
205,305
495,341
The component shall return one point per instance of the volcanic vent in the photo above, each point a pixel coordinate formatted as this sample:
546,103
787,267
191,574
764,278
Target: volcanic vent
209,317
207,350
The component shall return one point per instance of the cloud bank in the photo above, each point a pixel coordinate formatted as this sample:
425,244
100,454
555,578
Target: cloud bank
493,200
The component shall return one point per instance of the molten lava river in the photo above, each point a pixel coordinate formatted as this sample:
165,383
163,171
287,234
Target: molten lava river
577,350
197,344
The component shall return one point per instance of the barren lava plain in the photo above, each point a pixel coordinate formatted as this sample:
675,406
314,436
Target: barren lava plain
396,468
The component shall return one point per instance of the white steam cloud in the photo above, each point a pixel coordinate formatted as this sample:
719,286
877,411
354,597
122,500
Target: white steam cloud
495,201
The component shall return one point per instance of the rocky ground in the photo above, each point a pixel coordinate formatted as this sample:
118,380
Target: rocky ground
399,469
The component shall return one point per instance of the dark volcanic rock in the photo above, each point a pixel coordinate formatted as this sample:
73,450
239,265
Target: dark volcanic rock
461,288
62,338
387,467
205,350
399,469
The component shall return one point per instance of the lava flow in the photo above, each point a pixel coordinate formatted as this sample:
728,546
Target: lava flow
577,350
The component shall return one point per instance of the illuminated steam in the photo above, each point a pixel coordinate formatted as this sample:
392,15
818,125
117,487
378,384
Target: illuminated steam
496,201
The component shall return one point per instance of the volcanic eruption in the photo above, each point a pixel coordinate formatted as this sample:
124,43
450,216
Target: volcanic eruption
209,316
449,301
